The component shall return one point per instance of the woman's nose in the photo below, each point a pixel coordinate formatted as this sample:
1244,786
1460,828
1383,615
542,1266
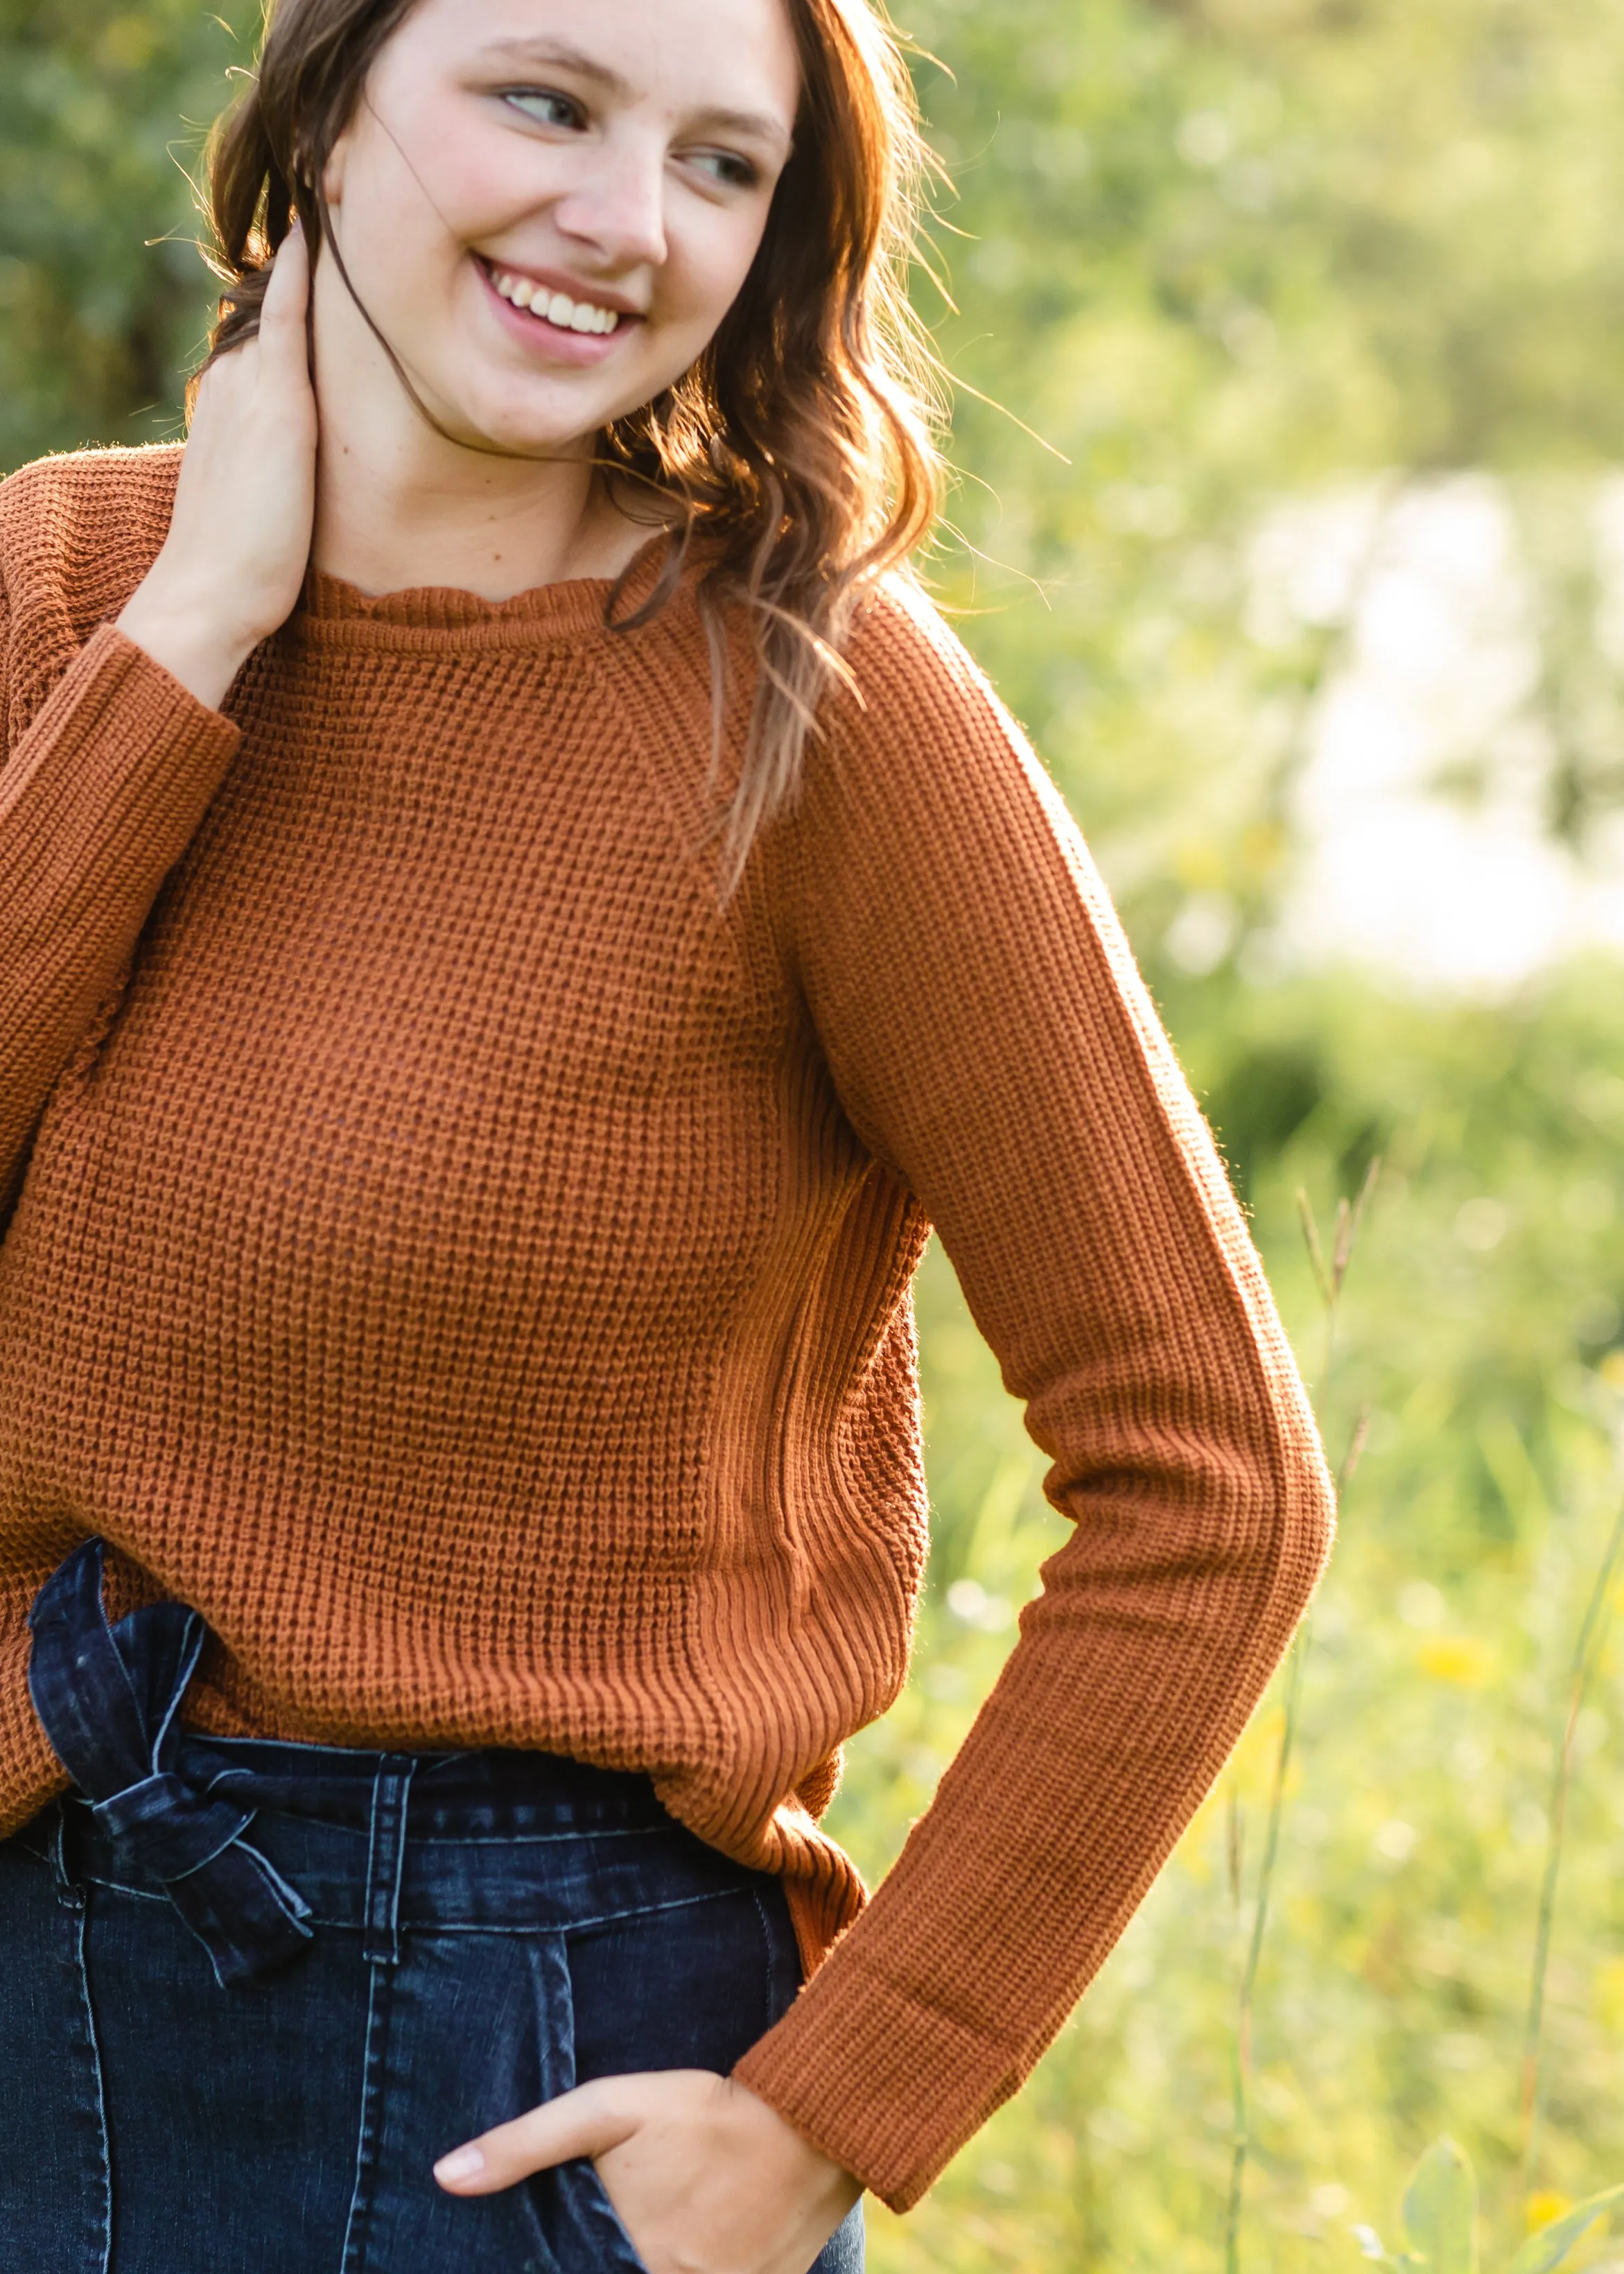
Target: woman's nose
618,207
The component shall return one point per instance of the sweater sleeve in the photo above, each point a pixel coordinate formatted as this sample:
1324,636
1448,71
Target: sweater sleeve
98,800
993,1043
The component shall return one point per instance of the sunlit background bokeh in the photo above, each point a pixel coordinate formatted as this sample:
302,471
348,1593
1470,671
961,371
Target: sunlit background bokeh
1291,521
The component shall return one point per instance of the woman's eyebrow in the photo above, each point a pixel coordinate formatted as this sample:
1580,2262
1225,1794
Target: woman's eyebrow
752,124
759,126
560,53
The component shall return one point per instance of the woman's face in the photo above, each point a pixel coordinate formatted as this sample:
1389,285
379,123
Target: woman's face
547,207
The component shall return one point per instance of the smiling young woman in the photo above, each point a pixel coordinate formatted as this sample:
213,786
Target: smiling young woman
516,916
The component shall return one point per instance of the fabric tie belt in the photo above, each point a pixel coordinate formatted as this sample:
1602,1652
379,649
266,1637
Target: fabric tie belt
109,1699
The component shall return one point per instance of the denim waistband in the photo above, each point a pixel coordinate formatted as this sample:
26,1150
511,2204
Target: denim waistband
378,1841
490,1791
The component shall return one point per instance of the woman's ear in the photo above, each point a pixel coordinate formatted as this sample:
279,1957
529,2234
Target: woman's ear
333,171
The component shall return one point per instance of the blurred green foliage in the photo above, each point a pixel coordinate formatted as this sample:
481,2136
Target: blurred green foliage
1207,255
103,301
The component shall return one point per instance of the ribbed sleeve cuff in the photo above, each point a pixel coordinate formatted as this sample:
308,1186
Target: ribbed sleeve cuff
105,792
146,738
888,2088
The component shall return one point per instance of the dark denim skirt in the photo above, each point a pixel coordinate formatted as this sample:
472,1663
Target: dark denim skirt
474,1934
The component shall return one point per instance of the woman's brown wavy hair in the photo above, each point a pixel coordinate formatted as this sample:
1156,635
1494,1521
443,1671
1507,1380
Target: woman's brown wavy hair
798,455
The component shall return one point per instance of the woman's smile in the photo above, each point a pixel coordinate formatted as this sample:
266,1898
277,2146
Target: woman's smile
542,314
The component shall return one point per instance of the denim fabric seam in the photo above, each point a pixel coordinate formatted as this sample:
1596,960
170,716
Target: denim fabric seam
411,1925
92,2047
575,1831
768,1965
119,1888
575,1926
377,1989
314,1746
543,1838
70,1884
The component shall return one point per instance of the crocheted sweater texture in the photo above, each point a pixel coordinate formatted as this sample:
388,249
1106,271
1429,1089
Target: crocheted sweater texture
467,1260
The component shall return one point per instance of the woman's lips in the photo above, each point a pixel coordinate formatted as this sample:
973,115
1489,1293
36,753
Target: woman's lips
537,332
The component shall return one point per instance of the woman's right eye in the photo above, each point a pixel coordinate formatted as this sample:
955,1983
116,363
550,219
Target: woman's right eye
547,107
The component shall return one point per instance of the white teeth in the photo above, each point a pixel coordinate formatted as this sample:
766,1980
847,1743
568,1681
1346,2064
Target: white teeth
557,307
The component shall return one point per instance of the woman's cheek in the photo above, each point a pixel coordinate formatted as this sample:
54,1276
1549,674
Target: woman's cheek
714,269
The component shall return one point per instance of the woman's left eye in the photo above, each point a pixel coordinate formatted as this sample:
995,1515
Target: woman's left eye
728,167
547,107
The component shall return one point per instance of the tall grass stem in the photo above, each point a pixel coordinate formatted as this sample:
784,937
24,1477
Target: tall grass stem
1329,1276
1587,1652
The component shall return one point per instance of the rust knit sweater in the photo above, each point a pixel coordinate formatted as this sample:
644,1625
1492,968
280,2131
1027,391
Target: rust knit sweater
471,1265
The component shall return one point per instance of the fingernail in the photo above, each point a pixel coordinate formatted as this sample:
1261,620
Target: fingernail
461,2164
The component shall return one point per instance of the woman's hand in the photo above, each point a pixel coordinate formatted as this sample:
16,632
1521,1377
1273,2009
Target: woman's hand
705,2178
239,539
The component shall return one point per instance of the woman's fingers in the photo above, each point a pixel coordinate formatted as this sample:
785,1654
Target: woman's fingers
281,315
587,2121
268,375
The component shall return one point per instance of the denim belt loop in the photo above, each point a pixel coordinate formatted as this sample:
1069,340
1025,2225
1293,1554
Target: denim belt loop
385,1858
109,1699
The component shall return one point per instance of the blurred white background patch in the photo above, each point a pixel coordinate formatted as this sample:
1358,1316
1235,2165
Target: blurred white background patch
1423,813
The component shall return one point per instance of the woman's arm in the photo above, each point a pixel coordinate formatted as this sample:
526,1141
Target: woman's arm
97,803
993,1043
104,790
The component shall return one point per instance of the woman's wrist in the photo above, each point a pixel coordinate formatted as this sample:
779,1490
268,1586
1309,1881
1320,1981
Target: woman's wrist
188,637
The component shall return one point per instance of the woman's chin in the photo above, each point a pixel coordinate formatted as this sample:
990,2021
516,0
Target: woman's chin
485,421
